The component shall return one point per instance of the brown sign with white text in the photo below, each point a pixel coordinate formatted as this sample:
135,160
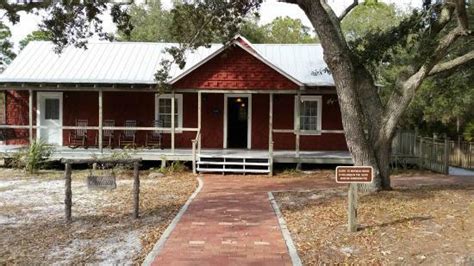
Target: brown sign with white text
354,174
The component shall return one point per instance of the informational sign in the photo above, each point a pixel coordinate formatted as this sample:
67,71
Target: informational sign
354,174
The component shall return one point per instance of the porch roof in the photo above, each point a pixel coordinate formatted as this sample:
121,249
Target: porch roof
137,63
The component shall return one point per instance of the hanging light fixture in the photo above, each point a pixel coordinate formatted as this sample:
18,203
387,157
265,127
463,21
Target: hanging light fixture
239,100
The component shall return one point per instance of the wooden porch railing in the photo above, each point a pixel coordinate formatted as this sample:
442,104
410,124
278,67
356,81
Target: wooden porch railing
196,146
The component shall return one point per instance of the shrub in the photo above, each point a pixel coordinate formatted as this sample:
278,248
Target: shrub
469,132
33,158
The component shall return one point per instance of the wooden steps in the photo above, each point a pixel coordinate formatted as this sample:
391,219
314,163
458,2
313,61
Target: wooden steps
223,163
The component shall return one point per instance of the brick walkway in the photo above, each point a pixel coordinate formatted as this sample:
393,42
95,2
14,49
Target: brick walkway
230,222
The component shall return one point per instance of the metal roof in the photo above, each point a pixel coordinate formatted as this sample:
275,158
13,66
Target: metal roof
137,63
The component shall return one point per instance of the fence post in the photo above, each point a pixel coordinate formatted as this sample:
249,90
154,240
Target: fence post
420,154
68,192
446,154
458,152
136,190
415,148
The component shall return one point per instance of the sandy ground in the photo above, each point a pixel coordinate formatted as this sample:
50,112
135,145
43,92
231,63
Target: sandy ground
32,227
414,224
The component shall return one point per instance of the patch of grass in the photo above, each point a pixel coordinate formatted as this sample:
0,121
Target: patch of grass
175,167
33,158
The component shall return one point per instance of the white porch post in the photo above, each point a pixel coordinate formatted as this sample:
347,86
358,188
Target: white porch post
30,115
172,121
270,119
199,120
100,120
270,134
297,138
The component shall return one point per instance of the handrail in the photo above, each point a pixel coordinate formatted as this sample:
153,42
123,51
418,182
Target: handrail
196,144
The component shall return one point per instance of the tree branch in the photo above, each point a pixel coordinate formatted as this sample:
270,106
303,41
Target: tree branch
451,64
348,10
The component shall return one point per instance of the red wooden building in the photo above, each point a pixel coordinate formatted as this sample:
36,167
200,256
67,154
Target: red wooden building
237,107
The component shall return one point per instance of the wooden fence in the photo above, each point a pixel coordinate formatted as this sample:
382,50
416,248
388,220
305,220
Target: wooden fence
461,154
428,153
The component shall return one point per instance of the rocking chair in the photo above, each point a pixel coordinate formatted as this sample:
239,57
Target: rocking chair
128,136
108,135
78,137
153,138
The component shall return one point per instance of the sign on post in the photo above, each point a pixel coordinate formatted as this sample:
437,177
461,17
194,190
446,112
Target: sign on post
353,175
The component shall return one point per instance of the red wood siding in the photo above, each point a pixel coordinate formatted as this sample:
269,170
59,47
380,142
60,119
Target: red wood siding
235,69
331,120
212,121
260,106
140,106
16,114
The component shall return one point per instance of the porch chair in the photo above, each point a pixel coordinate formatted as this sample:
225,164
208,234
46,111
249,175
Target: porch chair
107,134
127,137
153,138
78,137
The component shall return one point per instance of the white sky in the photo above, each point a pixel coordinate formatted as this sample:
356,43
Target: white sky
270,10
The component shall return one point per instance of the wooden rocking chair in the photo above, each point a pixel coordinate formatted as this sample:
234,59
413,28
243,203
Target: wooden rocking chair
128,136
108,135
153,138
78,137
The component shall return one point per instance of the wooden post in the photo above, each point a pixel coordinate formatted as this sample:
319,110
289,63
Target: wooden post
352,208
136,190
270,159
30,116
297,138
446,154
172,121
163,164
458,152
199,121
420,154
101,132
415,148
270,119
194,155
68,191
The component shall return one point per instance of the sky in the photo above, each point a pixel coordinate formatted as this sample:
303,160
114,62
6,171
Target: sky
270,10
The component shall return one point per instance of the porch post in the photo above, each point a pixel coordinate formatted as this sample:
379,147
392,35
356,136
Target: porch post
270,119
100,120
199,120
270,134
30,115
297,133
172,121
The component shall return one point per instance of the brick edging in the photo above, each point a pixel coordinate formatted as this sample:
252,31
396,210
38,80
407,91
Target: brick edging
166,234
295,258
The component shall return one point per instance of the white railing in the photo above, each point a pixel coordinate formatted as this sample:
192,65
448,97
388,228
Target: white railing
196,146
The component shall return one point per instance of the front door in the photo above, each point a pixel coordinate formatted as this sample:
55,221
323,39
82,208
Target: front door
50,116
237,122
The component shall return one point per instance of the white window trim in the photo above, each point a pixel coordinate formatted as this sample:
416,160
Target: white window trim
319,99
179,108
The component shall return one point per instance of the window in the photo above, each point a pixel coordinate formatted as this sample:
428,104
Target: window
310,114
51,109
163,110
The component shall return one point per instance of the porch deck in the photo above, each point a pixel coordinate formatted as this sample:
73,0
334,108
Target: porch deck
279,156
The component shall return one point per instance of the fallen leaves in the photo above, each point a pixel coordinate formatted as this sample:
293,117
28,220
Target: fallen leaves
427,224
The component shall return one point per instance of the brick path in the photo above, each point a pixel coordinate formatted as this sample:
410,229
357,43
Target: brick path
230,222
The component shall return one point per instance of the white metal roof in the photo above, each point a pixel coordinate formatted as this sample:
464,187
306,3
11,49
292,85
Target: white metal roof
137,63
